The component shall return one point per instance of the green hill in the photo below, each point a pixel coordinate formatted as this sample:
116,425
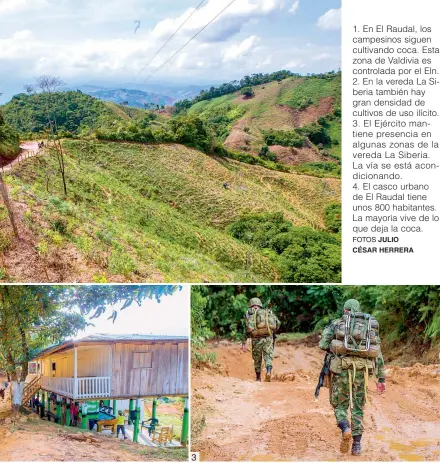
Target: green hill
309,107
72,113
138,212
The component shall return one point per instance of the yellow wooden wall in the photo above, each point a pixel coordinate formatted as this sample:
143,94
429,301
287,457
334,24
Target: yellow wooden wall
93,361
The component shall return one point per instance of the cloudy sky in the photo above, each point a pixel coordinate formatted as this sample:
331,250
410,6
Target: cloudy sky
170,317
97,42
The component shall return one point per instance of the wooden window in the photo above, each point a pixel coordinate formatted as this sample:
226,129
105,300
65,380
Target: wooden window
142,360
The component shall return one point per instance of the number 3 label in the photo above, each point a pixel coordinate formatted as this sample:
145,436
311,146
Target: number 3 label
195,456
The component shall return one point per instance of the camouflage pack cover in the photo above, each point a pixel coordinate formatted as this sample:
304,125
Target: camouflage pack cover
262,322
356,333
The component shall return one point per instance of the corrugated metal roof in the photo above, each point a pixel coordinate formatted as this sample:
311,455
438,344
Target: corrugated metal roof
110,338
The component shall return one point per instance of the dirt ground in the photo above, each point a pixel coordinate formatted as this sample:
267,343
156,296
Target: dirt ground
31,439
236,418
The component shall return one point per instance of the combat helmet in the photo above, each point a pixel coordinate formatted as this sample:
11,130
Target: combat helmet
352,305
255,301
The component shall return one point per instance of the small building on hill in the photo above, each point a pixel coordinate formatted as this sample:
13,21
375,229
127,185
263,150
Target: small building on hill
115,367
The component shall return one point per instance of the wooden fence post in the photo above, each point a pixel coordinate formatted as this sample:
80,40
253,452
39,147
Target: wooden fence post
5,196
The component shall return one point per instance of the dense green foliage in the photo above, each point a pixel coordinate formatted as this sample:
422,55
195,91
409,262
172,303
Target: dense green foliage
407,314
301,253
71,112
221,118
9,142
316,134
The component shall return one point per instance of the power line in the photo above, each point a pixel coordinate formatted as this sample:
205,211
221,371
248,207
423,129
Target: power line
169,40
189,41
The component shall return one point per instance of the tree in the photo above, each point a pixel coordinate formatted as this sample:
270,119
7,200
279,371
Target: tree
248,92
29,88
95,299
49,84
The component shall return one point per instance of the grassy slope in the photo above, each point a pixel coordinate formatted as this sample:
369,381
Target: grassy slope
158,213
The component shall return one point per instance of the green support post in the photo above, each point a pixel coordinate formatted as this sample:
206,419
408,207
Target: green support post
115,412
153,410
136,423
68,414
131,408
185,425
59,411
83,420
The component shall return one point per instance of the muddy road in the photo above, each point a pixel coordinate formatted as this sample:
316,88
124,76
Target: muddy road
236,418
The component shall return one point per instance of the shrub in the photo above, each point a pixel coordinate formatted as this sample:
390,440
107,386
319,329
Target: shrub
290,138
247,92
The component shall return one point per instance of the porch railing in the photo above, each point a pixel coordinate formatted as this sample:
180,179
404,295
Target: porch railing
85,388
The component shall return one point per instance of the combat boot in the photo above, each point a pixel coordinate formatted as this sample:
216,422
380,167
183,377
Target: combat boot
346,436
356,447
258,375
268,374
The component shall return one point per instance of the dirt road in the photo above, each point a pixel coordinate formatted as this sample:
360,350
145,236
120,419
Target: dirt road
236,418
28,150
31,439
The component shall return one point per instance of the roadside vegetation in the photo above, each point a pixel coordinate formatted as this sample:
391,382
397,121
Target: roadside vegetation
409,316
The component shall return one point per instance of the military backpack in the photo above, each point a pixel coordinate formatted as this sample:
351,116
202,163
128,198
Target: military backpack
261,322
356,334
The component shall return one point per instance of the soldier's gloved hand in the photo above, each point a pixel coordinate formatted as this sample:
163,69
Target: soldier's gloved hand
244,347
380,388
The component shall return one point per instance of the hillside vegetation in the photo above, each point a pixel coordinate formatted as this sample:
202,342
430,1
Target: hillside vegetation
409,316
9,140
125,194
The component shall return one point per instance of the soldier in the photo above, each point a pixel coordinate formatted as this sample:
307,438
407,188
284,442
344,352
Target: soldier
350,367
261,326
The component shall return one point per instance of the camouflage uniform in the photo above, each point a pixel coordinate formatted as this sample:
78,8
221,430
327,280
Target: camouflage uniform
262,348
340,388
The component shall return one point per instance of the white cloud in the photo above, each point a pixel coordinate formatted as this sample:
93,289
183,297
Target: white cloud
84,41
330,20
14,6
321,57
294,64
241,49
229,23
294,7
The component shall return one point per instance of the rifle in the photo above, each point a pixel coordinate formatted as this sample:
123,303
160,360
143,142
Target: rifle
324,372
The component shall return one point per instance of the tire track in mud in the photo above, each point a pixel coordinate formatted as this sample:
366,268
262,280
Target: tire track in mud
237,419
